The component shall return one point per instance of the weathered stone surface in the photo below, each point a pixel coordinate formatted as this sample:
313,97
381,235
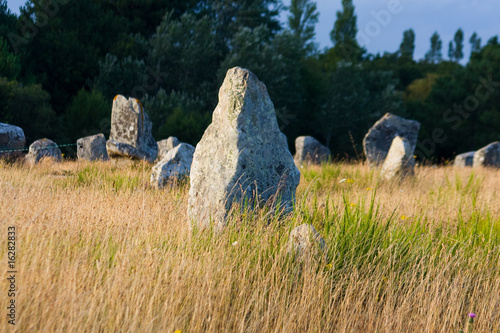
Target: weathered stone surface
284,138
92,148
43,148
464,160
305,240
176,164
378,140
399,161
308,150
131,134
242,154
164,146
11,138
488,156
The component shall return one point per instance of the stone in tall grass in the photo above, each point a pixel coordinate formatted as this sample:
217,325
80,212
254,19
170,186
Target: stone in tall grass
378,140
164,146
464,160
92,148
131,131
176,164
399,161
11,138
242,157
41,149
308,150
305,240
488,156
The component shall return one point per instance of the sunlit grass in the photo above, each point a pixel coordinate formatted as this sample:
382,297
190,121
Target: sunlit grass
100,250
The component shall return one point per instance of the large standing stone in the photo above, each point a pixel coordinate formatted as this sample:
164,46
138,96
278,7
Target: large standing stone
176,164
164,146
241,156
43,148
464,160
131,134
378,140
92,148
11,139
309,150
488,156
399,161
305,240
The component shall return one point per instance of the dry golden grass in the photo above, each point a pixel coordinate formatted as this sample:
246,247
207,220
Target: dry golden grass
98,250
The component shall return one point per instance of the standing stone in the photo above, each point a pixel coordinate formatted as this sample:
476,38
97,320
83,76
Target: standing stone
175,165
11,138
305,240
164,146
241,156
378,140
131,131
92,148
43,148
464,160
309,150
400,161
488,156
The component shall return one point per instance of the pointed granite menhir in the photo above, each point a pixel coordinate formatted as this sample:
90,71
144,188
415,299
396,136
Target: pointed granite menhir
242,156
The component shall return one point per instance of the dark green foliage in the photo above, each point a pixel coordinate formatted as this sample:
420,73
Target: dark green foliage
456,47
28,107
434,55
10,64
407,47
89,113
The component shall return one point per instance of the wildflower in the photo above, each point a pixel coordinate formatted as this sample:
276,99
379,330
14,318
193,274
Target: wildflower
369,189
350,181
404,217
178,331
235,243
414,156
62,155
329,266
343,180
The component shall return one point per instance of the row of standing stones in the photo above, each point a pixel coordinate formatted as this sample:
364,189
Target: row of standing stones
242,158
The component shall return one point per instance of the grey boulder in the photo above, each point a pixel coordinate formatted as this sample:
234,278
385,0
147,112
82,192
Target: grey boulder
164,146
92,148
131,131
305,240
464,160
309,151
488,156
41,149
399,161
12,140
242,157
378,140
175,165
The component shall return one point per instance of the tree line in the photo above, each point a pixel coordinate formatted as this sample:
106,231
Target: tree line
62,62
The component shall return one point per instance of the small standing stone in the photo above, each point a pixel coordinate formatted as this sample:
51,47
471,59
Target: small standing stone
378,140
92,148
131,131
400,161
164,146
176,164
11,139
464,160
305,240
488,156
310,151
43,148
242,156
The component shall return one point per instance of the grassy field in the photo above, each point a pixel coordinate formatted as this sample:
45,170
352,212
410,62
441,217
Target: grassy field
98,250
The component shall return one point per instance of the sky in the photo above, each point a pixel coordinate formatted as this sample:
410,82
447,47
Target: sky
381,22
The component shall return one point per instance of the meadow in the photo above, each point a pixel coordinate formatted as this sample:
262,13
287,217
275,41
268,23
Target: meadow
99,250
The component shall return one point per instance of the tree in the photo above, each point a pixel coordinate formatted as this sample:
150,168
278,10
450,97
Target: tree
475,43
343,36
455,50
10,64
434,55
407,47
301,21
